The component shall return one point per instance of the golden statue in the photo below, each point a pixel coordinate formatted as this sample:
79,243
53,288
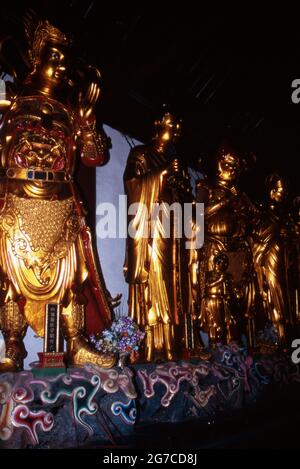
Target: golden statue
156,267
228,215
46,254
271,256
295,261
217,305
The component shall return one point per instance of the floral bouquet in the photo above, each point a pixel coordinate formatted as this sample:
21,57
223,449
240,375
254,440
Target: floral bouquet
123,338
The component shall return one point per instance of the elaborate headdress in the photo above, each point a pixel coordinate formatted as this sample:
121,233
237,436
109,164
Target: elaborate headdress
39,32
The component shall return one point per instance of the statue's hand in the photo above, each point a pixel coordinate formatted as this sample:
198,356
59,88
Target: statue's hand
89,98
175,175
238,292
174,167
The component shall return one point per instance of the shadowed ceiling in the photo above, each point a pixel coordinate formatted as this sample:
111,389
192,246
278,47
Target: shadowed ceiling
225,72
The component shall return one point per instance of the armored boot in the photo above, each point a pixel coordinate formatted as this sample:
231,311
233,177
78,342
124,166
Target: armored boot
79,350
13,327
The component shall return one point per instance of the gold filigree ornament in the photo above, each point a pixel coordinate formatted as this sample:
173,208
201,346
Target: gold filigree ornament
37,250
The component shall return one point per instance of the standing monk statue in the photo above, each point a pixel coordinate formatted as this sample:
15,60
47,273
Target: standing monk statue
46,254
156,265
272,243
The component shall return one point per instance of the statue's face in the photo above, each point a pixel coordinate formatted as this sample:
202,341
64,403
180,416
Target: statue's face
278,192
52,66
228,168
168,129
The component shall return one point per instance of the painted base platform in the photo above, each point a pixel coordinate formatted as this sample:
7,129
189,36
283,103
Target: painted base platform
93,407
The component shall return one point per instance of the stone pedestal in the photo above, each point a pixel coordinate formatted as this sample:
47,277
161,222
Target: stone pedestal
105,408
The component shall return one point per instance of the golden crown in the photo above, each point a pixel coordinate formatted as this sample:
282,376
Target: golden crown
40,34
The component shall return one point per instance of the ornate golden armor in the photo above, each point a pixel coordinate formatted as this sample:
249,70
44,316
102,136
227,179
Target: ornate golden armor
228,214
46,253
217,312
37,243
156,267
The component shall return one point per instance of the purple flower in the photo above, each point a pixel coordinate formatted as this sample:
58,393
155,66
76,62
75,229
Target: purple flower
123,336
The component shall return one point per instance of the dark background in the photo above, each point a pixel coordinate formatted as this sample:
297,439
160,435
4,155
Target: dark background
224,70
